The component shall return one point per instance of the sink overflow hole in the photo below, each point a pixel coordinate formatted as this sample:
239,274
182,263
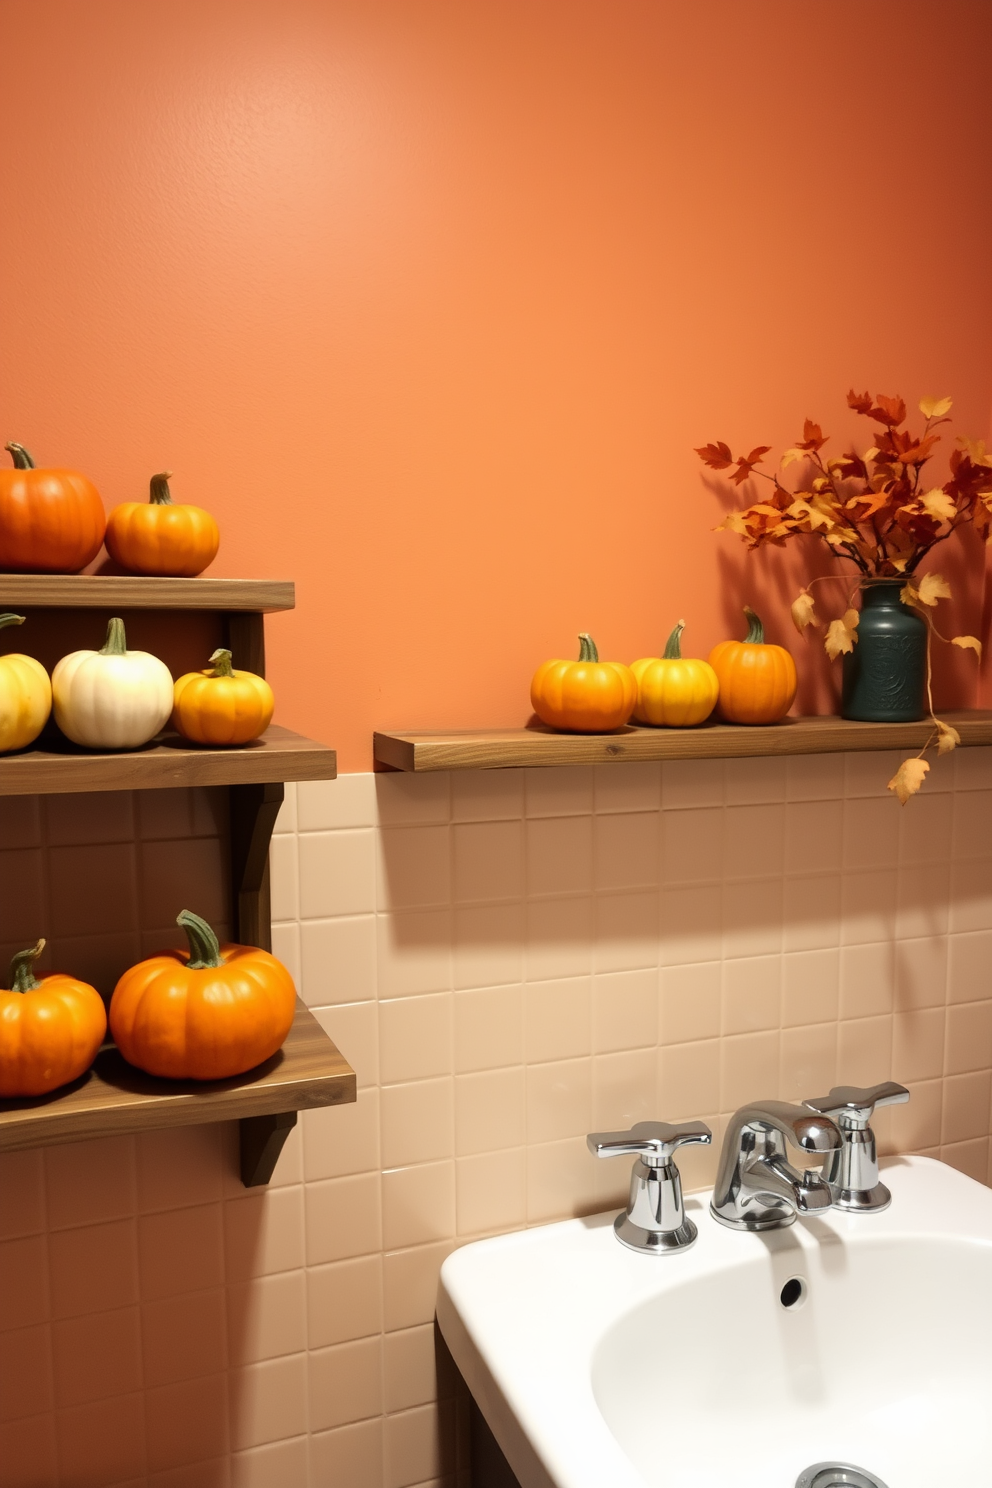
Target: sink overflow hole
793,1293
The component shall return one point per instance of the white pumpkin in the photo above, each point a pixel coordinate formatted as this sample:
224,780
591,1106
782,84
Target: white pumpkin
112,698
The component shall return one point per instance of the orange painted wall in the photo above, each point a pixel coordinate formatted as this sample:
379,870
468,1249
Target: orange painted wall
430,300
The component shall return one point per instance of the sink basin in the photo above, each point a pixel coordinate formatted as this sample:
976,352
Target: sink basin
855,1339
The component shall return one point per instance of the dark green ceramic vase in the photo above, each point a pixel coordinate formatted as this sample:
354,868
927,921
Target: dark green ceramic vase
885,676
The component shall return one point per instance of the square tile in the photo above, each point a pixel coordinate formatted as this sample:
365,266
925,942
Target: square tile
624,1089
625,1011
559,938
559,1100
751,782
808,1061
811,912
810,987
404,800
490,1111
626,850
345,1383
559,855
754,841
413,952
564,791
354,1027
417,1122
344,1301
688,1080
690,784
488,1028
691,925
867,980
415,1038
627,931
418,1204
488,945
268,1401
865,1053
338,960
752,991
487,795
814,777
692,846
557,1019
343,1218
337,873
338,1140
348,801
491,1191
488,861
690,1002
627,787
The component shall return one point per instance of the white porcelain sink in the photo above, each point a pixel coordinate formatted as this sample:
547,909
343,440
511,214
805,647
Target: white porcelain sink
597,1367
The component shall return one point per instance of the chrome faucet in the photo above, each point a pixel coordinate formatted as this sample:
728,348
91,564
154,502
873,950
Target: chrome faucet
655,1218
851,1171
756,1188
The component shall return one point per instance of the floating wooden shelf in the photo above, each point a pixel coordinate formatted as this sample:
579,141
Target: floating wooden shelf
132,592
507,749
113,1098
279,755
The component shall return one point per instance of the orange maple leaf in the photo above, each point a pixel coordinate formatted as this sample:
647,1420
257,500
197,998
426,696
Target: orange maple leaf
813,436
860,402
890,411
746,463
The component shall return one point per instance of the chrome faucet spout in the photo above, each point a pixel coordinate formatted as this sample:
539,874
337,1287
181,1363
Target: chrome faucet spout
756,1187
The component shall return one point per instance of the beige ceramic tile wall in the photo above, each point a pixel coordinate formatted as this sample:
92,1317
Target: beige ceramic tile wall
508,959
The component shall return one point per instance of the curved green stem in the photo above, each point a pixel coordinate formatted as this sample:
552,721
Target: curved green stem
22,977
673,646
10,619
587,648
116,642
20,456
158,489
221,662
204,948
755,630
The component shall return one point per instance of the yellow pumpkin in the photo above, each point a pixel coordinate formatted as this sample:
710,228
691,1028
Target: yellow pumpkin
220,705
25,696
587,696
674,690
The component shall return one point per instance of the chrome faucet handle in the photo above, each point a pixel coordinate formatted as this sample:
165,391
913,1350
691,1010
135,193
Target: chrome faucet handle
654,1220
653,1142
851,1172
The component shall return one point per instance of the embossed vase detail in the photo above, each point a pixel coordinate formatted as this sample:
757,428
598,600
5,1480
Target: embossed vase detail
885,676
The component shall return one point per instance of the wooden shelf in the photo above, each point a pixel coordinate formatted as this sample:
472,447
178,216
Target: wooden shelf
113,1098
132,592
279,755
507,749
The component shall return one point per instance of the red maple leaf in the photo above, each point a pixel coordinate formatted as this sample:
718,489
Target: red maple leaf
716,456
860,402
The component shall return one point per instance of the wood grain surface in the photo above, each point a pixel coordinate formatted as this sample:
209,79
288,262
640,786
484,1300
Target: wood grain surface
113,1097
133,592
503,749
278,755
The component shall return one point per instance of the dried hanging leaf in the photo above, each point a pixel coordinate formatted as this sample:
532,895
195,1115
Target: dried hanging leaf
746,463
888,411
948,738
803,613
934,407
908,778
792,455
842,634
933,586
939,505
968,643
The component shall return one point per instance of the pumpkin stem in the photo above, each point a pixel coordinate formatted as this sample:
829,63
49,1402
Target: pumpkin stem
204,949
20,456
22,977
158,489
9,619
116,642
673,648
221,663
587,648
755,630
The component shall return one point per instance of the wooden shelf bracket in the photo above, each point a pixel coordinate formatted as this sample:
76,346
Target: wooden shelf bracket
260,1140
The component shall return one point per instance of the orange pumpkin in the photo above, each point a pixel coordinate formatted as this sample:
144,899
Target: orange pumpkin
588,696
757,680
206,1014
220,705
160,536
50,1030
51,521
